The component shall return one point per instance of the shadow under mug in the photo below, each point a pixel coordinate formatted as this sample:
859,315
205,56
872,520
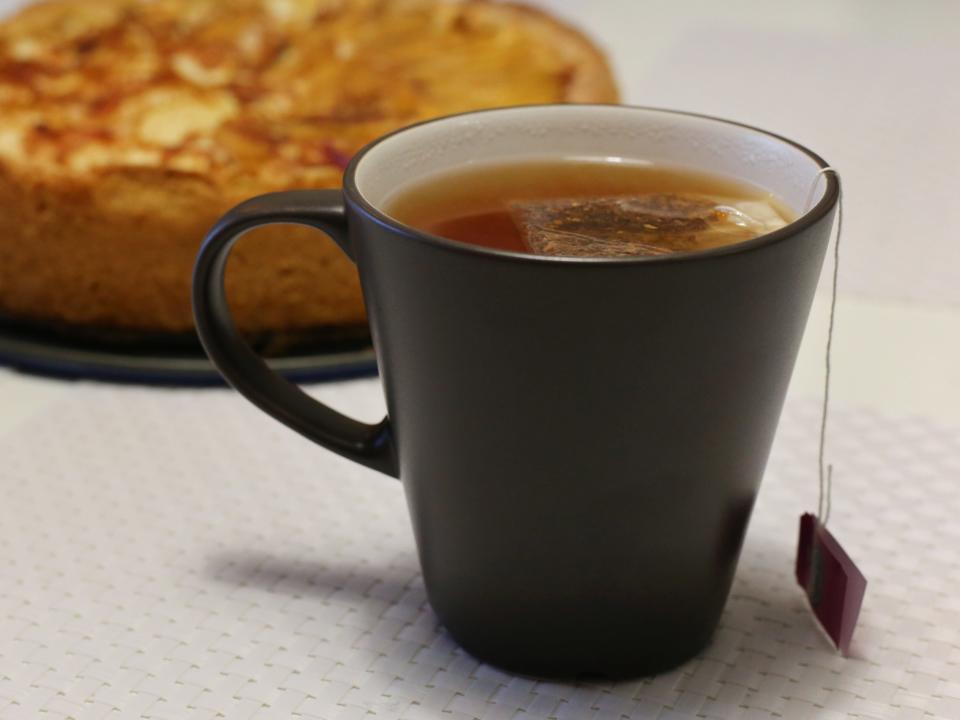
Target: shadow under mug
580,440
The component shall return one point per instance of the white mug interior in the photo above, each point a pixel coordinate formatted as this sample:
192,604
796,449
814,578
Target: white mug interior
618,133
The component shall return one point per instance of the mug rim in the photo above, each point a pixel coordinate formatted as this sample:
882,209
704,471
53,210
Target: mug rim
812,216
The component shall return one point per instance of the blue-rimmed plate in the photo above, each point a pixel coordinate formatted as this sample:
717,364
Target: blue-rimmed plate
54,355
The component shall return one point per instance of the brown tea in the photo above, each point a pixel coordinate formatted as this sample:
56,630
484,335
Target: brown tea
588,208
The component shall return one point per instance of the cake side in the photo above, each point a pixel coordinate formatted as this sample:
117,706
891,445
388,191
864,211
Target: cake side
119,253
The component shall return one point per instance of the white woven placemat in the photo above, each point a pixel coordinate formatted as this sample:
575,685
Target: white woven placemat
174,554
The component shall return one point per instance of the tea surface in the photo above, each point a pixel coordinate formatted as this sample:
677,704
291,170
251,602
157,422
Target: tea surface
588,208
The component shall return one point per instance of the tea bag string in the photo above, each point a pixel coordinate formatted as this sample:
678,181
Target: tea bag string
826,470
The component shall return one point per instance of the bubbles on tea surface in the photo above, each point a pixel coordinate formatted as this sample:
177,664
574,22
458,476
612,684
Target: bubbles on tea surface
639,225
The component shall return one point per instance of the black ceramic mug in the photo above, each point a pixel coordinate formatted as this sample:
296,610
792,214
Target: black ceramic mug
580,440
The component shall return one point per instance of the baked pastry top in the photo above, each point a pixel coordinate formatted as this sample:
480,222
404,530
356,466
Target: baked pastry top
128,126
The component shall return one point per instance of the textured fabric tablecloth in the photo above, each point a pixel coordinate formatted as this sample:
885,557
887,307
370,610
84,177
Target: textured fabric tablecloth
177,555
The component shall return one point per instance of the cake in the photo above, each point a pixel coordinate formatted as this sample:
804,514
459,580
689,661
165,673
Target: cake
128,126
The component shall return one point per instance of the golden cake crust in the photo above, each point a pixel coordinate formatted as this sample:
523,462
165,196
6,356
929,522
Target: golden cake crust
128,126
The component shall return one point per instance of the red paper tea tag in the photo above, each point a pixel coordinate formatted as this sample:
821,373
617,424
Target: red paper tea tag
834,585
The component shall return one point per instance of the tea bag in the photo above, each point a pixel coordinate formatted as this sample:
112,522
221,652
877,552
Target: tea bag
636,225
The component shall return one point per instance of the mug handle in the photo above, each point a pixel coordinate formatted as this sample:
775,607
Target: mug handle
370,445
